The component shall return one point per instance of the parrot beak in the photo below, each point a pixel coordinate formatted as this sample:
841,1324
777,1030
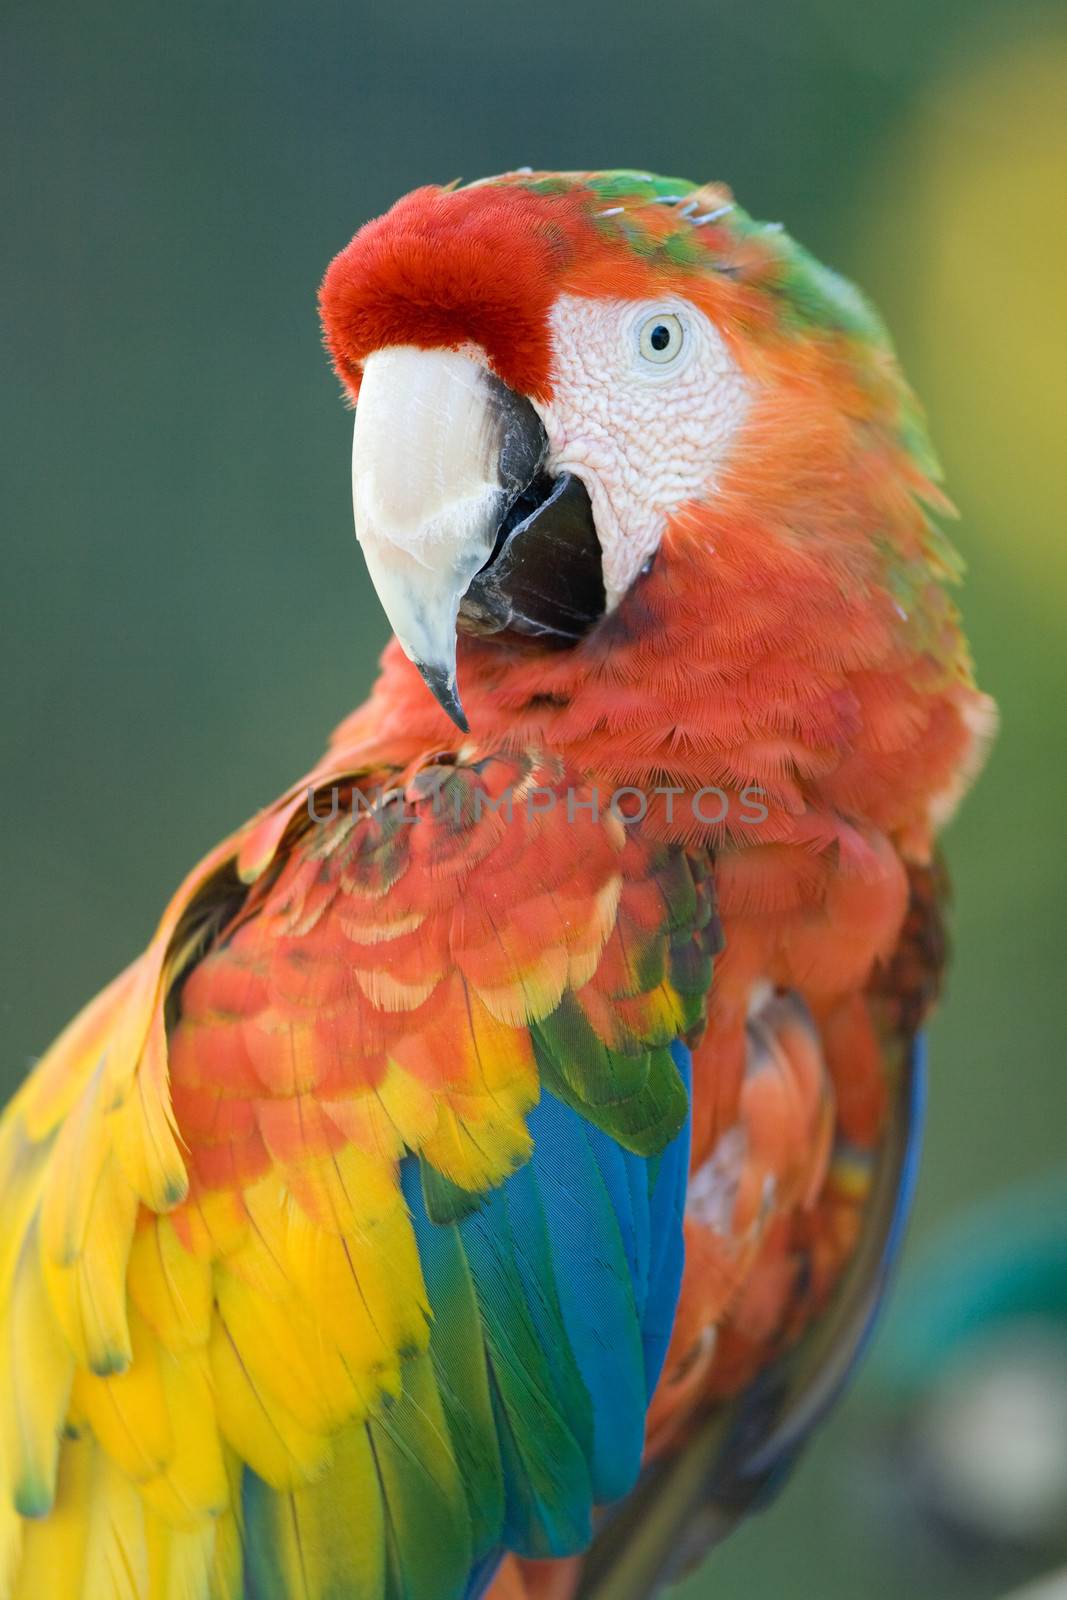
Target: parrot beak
447,486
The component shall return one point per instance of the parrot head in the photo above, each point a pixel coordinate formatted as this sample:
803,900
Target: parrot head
594,408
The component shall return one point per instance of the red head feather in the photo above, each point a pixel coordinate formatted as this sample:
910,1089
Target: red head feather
447,266
484,263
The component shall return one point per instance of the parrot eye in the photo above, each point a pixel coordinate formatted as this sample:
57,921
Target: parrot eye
660,338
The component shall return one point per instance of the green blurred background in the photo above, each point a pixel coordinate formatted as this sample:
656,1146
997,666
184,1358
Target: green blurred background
184,612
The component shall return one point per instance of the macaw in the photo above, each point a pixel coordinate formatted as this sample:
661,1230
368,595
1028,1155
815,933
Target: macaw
489,1172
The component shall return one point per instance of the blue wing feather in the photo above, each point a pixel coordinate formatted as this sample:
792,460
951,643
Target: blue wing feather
576,1262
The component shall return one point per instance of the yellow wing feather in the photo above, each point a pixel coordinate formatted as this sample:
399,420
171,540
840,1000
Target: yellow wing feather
36,1372
158,1328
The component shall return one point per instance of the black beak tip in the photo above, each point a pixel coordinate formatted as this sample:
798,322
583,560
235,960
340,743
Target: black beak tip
443,688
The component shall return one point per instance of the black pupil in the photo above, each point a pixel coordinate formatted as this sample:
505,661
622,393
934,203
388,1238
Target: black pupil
660,336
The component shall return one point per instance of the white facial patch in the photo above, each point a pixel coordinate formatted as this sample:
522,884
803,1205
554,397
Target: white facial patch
647,401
